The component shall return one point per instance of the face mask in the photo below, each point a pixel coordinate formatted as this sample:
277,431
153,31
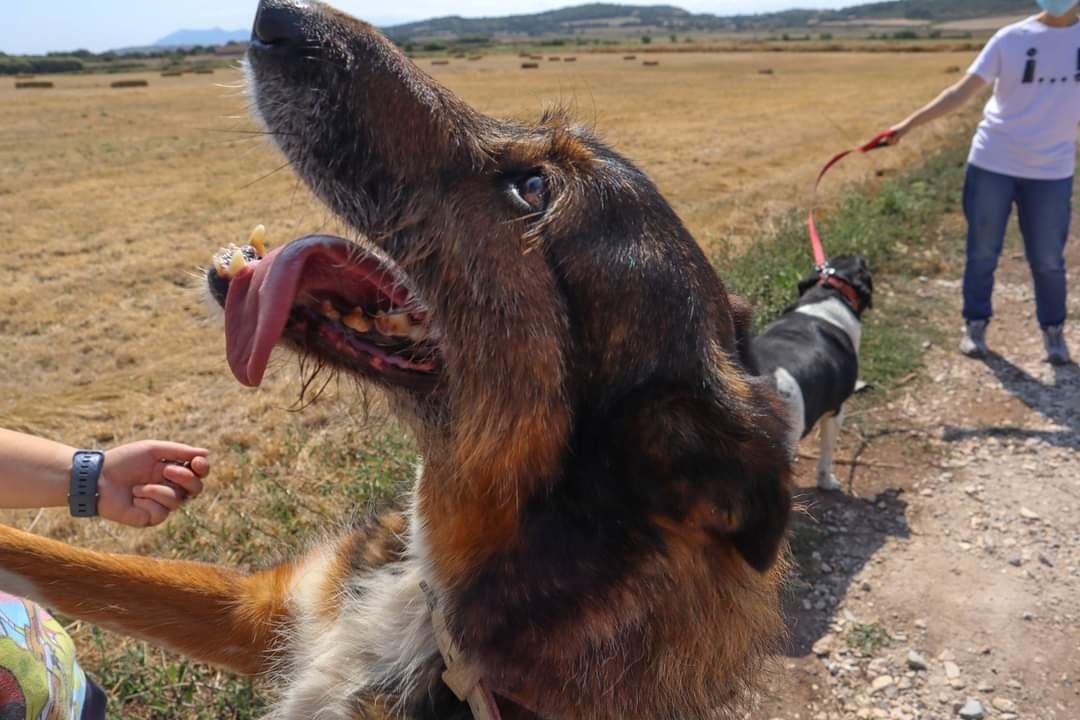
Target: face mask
1057,8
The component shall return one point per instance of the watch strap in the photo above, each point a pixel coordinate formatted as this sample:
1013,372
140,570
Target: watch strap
86,468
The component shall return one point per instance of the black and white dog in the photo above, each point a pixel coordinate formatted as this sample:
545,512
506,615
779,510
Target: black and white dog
812,353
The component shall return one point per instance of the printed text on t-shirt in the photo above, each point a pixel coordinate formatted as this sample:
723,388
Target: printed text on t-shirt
1032,63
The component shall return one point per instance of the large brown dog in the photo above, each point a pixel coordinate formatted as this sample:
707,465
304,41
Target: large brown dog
605,490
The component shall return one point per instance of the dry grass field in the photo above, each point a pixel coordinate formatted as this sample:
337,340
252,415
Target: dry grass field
981,25
111,199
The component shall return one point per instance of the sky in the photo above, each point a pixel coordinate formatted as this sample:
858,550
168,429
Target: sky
38,26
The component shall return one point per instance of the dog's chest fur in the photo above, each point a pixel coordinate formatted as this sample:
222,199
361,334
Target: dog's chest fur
375,656
375,652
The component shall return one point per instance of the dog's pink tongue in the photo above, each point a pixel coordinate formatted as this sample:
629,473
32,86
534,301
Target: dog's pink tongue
257,308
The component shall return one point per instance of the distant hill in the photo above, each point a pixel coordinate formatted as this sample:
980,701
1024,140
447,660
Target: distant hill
608,19
571,20
612,19
191,38
937,10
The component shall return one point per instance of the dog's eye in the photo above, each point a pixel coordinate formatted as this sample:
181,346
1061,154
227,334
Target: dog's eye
530,192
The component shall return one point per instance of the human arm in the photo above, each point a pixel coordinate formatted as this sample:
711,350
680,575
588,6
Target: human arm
139,485
949,101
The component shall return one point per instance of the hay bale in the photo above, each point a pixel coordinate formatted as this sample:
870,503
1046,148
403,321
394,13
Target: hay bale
555,58
129,83
530,66
34,85
474,58
203,71
651,63
172,73
766,71
629,57
953,70
440,62
569,59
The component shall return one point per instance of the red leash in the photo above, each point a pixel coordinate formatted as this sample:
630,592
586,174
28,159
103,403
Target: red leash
880,140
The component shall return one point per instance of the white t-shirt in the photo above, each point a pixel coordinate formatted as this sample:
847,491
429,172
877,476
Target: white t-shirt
1029,126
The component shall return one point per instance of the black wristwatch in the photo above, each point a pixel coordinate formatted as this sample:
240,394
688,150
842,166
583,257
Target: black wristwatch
85,473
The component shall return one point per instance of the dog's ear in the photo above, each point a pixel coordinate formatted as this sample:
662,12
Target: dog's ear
863,282
721,467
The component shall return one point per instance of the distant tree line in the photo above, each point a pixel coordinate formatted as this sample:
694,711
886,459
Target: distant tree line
36,65
77,61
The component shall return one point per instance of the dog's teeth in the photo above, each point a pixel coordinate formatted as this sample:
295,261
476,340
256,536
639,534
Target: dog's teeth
329,311
258,239
237,262
357,321
397,325
221,267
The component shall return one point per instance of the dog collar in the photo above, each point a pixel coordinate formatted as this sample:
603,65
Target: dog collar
463,678
829,279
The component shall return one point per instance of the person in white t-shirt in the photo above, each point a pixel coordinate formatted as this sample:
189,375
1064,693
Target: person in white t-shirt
1024,153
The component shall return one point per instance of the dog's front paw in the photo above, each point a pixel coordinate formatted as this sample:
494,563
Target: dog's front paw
827,481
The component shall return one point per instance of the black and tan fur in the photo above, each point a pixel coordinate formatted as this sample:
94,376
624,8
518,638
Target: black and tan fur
605,489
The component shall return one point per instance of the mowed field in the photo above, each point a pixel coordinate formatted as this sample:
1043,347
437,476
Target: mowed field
111,200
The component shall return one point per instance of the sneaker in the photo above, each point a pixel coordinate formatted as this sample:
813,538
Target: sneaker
973,344
1057,352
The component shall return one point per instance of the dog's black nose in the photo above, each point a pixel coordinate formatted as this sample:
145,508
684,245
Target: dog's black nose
279,22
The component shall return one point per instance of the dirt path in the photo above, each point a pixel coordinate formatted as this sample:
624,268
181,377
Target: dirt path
946,582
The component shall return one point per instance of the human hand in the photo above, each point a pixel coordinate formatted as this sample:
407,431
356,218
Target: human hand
143,482
897,133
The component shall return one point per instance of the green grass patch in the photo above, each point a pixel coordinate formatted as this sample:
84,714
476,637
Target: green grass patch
893,344
868,638
147,682
898,226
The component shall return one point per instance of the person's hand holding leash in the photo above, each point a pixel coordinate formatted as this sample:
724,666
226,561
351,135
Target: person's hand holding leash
897,133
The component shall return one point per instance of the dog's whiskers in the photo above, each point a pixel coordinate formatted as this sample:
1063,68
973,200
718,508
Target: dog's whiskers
264,177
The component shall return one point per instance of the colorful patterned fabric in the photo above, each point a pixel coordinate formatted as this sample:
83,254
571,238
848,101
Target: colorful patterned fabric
39,677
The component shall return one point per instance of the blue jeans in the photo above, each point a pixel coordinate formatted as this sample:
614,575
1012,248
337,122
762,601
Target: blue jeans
1045,209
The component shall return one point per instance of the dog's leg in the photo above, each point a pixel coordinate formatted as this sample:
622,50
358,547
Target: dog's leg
209,613
830,432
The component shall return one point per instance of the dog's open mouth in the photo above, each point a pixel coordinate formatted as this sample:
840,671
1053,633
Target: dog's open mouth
344,303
